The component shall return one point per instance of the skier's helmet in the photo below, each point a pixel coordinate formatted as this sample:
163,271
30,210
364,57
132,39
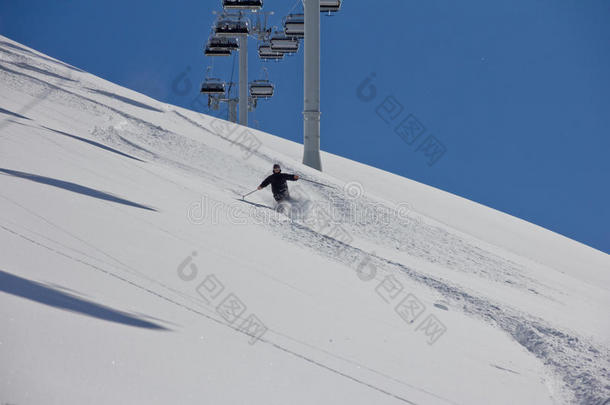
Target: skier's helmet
276,166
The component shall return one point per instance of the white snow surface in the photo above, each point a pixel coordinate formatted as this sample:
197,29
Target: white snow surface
130,272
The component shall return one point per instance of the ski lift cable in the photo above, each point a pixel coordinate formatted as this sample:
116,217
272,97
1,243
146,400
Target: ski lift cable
208,70
294,6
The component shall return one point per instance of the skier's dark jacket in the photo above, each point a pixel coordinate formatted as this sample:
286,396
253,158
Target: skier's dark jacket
278,182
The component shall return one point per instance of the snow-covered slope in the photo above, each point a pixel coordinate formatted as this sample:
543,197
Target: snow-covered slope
130,272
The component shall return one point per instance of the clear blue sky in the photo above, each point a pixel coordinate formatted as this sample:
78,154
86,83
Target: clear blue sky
517,92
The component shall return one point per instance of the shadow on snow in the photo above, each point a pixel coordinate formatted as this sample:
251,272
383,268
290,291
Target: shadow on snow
47,295
75,188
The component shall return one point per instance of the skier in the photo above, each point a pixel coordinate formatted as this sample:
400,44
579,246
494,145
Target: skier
279,188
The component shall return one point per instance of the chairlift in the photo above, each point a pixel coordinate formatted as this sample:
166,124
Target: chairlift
330,6
242,4
271,56
227,27
294,25
284,44
261,89
265,47
223,43
266,53
216,51
213,86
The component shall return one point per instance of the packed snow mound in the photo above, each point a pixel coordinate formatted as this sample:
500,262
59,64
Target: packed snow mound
132,271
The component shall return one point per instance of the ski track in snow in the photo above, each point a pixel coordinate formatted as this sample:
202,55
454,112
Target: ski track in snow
580,363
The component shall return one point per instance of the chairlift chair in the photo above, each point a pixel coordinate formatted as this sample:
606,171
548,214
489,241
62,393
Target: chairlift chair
284,44
223,43
242,4
261,89
271,56
216,51
213,86
266,53
294,25
330,6
226,27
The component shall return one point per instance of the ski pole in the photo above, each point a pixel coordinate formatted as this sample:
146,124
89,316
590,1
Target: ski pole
243,197
315,182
